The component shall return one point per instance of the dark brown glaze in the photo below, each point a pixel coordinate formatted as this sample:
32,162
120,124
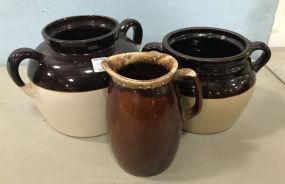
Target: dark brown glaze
144,127
219,81
73,73
220,57
70,44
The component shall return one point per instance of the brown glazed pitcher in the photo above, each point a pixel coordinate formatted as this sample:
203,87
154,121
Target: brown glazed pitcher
144,114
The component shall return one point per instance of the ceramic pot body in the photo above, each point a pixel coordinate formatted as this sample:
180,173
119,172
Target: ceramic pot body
223,62
66,78
144,114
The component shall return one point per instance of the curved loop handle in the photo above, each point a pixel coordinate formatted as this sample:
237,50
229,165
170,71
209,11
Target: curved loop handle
138,31
196,108
153,46
14,60
264,58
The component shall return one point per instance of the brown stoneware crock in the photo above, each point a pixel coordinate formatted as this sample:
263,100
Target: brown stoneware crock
144,114
65,75
222,60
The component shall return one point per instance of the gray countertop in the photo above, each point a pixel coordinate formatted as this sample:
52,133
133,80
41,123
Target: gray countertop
253,151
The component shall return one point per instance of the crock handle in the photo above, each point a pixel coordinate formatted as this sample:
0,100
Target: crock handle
153,46
126,24
196,108
14,60
264,58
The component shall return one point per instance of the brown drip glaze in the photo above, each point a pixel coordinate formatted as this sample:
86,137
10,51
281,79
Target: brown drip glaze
144,114
144,127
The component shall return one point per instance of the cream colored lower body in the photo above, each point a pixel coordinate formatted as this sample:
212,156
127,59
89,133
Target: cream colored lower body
78,114
216,115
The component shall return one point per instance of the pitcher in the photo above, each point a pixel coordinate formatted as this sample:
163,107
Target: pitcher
144,114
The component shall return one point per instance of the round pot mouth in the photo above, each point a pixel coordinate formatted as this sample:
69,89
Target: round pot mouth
114,63
108,24
207,32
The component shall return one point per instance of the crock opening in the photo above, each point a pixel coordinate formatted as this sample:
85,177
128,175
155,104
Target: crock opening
207,44
80,28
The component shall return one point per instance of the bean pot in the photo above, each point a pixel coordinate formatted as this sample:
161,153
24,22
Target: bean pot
65,75
225,67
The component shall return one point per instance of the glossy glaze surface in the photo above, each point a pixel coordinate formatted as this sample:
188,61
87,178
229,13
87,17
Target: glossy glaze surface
220,81
63,61
66,72
220,57
144,114
144,127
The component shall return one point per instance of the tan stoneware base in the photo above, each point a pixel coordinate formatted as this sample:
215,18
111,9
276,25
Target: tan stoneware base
77,114
217,115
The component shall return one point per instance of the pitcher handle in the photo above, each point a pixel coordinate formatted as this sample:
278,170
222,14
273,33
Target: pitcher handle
126,24
264,58
14,60
196,108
